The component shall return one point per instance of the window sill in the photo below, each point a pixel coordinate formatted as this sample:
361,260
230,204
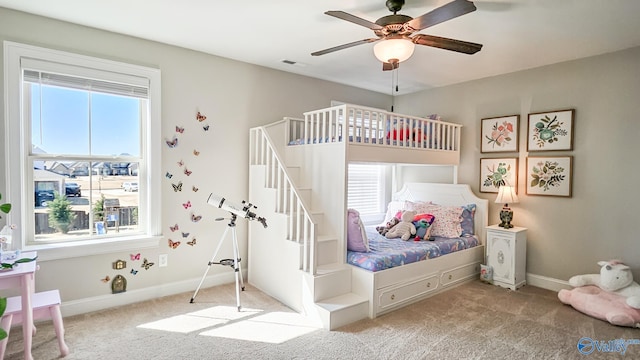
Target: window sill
48,252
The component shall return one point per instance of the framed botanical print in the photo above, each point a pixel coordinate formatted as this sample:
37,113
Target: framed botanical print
499,134
497,172
550,176
548,131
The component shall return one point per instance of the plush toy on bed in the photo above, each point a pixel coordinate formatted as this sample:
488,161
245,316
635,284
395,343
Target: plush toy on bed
612,295
383,230
405,228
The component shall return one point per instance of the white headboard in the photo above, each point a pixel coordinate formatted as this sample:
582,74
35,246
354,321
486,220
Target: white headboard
448,194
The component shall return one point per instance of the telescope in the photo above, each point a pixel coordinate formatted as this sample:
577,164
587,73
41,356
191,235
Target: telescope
242,210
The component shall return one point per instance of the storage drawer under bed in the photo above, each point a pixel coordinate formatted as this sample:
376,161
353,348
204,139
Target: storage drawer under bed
459,274
394,295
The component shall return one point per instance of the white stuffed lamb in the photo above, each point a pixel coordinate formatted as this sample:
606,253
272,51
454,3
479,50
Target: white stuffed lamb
405,228
615,277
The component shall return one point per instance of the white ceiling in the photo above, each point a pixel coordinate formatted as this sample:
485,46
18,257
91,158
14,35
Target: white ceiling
516,34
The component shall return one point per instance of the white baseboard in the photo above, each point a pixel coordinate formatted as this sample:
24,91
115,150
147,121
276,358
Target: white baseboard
86,305
547,282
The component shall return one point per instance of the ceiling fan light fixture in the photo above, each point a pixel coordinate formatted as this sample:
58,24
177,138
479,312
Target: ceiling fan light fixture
400,49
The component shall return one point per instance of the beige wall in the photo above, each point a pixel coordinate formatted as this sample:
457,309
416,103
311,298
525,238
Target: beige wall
234,96
566,236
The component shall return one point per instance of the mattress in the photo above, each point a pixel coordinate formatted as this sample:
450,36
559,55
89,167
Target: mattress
387,253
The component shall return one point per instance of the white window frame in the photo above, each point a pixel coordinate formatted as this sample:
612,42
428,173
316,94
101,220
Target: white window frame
18,145
379,196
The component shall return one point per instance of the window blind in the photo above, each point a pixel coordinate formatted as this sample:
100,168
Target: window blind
366,188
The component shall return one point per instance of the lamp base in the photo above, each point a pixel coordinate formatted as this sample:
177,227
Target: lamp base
506,215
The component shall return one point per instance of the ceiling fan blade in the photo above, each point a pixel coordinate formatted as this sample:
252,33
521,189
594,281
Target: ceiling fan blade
447,44
344,46
446,12
354,19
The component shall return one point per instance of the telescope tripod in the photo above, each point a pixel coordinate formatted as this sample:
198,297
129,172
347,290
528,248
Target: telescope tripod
234,263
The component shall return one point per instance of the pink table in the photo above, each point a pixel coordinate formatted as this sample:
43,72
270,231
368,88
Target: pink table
22,276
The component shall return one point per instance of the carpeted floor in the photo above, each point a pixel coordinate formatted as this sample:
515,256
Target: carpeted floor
473,321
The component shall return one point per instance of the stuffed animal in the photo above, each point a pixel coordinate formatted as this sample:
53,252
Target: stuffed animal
615,277
383,230
612,295
405,228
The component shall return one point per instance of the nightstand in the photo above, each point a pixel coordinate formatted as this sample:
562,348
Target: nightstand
507,255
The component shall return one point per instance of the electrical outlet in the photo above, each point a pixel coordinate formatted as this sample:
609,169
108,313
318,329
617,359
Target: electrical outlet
163,259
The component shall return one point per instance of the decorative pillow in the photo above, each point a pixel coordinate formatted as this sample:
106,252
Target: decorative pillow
393,208
468,213
356,235
418,206
447,220
423,224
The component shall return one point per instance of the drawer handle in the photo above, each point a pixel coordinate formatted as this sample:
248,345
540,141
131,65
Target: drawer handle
450,276
393,296
428,284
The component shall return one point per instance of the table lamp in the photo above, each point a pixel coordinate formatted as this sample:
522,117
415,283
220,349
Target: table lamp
506,195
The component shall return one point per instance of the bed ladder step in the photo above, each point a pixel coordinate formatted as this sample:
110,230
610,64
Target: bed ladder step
342,310
331,280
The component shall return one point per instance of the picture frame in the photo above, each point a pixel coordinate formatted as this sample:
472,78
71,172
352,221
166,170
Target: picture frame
551,130
499,134
550,175
496,172
101,229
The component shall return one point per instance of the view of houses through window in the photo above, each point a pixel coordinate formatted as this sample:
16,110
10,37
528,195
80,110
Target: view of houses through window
85,156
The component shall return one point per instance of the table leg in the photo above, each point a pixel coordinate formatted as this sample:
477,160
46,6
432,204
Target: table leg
27,314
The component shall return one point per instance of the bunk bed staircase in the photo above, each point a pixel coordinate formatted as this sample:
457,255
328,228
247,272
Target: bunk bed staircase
298,259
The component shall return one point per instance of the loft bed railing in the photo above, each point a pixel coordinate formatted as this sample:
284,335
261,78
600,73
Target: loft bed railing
360,125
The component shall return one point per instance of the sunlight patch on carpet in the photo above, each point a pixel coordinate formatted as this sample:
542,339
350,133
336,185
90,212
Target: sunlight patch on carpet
274,328
199,320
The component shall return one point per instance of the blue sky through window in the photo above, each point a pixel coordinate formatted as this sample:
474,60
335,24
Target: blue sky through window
64,126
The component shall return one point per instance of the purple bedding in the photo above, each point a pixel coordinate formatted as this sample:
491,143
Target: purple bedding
387,253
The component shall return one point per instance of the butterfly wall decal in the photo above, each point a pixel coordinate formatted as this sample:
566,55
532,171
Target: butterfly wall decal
174,228
187,204
196,218
106,279
195,189
187,172
179,129
135,257
206,127
200,117
192,242
146,264
185,235
177,187
134,271
174,244
196,152
168,175
172,143
180,163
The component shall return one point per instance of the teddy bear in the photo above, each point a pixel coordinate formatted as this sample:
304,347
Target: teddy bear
383,230
405,228
612,295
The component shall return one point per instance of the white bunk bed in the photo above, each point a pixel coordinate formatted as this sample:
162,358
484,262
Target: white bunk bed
306,160
398,286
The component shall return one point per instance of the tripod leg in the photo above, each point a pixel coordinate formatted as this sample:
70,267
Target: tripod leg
236,268
210,263
236,252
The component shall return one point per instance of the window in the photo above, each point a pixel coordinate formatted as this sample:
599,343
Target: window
366,190
79,129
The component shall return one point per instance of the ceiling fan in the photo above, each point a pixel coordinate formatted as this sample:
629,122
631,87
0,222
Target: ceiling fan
394,32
